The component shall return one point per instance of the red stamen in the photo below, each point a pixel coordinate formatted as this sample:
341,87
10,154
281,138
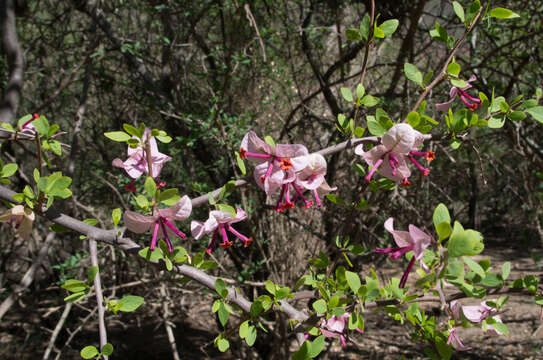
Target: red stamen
405,183
242,153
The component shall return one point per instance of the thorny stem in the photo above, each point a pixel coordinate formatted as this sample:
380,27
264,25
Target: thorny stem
443,72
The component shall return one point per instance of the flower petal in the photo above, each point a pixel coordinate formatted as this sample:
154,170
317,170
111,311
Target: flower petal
402,238
138,223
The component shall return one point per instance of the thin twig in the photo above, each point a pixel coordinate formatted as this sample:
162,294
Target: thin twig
443,73
99,297
252,20
59,326
167,323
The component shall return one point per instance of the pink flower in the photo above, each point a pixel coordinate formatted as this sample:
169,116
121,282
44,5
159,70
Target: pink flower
399,144
163,219
335,327
136,164
474,314
415,240
22,217
277,165
477,313
463,95
220,221
312,179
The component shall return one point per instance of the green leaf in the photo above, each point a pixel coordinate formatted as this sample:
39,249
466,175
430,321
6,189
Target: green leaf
142,201
119,136
220,288
303,352
365,27
131,130
130,303
244,329
472,10
56,148
506,270
256,308
167,194
375,127
353,34
316,347
116,216
459,83
443,230
269,140
359,131
42,125
320,306
227,208
151,255
369,101
353,280
412,73
73,285
378,33
459,11
360,91
389,27
441,214
9,169
516,115
251,336
476,268
58,228
453,69
75,297
28,192
91,274
222,344
227,189
270,286
413,119
496,122
501,13
241,164
223,314
179,254
468,242
347,94
150,186
107,349
89,352
536,112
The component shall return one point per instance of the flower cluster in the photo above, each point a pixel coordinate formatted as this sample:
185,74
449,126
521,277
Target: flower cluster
288,167
390,158
414,240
